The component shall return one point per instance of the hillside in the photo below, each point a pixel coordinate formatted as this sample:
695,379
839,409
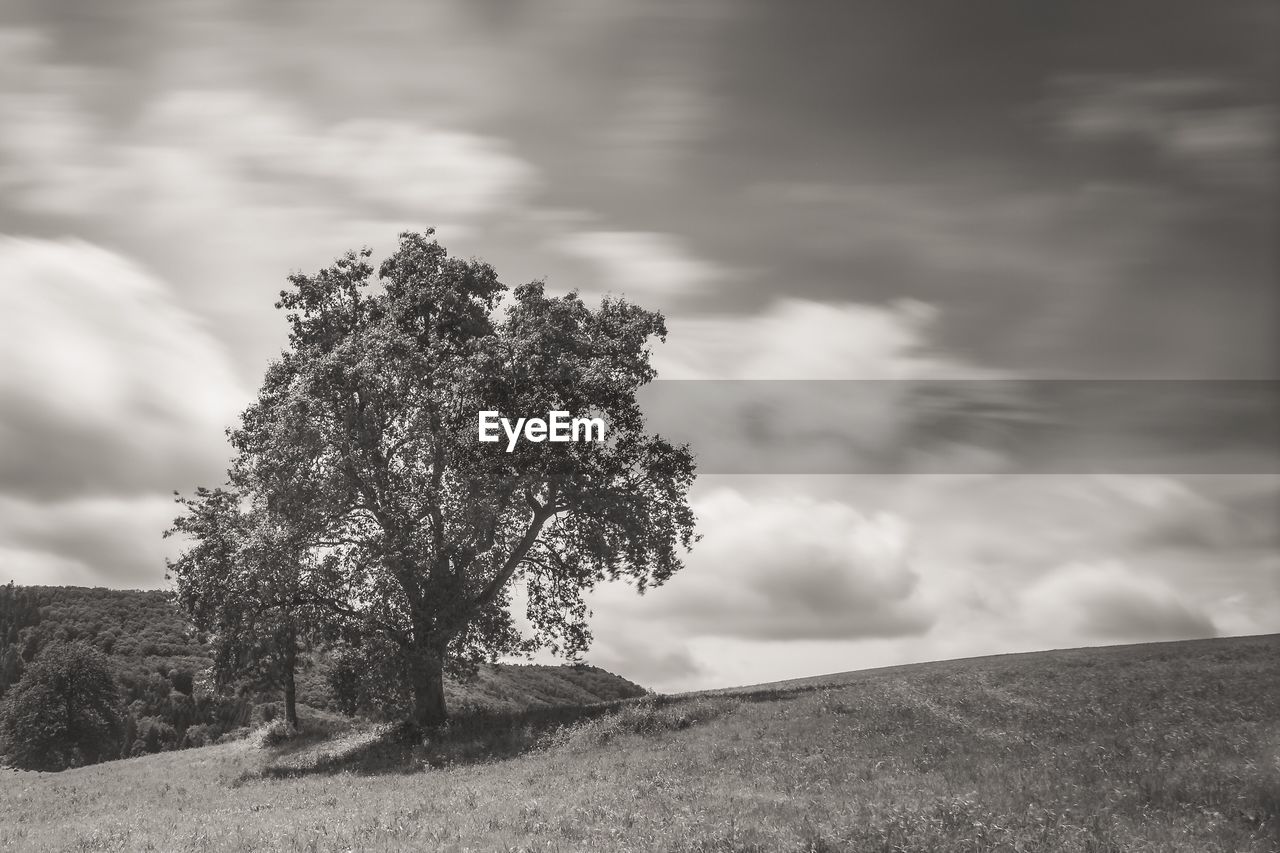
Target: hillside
162,666
1168,747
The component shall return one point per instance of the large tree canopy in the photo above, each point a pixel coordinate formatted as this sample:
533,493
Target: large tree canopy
411,531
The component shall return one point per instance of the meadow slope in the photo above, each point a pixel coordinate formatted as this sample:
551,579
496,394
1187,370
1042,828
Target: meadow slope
1166,747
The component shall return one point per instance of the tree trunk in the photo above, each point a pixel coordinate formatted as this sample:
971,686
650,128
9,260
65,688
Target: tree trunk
426,677
290,688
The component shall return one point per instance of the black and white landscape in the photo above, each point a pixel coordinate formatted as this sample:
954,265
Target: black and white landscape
479,425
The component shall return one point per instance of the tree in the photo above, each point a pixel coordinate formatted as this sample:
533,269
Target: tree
64,712
364,436
241,581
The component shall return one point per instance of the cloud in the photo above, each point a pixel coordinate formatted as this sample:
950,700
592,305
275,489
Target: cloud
93,540
638,263
657,118
50,157
638,656
791,569
58,155
1107,601
226,190
1243,517
998,564
1203,123
410,166
666,101
875,422
956,238
50,160
109,386
804,339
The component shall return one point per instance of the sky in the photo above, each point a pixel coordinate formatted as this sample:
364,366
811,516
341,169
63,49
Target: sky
982,194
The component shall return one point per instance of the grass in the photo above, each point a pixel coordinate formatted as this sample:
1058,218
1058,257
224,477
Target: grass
1169,747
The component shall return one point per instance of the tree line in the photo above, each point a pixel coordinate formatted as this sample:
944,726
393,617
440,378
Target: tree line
128,656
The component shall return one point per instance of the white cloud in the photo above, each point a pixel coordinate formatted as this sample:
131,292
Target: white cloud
413,167
225,189
990,565
108,384
802,339
791,568
56,157
638,263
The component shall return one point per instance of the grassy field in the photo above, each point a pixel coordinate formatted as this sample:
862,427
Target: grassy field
1169,747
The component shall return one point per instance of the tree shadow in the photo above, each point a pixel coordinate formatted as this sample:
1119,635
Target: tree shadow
471,737
477,737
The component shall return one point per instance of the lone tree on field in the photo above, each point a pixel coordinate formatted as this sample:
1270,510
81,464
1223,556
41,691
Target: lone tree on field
64,711
413,533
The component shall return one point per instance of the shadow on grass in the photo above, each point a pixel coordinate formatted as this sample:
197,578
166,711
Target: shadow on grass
476,737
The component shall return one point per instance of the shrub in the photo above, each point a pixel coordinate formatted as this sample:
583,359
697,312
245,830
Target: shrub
201,735
155,735
277,733
648,716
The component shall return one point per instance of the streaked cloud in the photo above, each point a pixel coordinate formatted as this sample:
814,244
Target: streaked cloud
86,541
803,339
641,265
803,197
431,172
1204,123
109,385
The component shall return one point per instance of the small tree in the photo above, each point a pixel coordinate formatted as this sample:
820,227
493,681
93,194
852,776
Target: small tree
63,712
364,437
241,581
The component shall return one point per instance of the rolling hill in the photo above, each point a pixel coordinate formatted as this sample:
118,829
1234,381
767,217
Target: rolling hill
1164,747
